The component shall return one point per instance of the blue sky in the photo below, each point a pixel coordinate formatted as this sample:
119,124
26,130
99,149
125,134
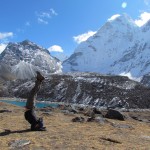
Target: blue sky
60,25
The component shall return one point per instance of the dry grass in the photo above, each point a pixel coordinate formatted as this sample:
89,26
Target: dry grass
63,134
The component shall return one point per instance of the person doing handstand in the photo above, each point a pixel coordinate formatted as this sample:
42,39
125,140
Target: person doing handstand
30,116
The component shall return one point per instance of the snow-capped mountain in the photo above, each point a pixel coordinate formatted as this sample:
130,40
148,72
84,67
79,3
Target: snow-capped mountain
118,47
26,57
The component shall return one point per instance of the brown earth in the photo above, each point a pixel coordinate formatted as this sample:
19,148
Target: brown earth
63,134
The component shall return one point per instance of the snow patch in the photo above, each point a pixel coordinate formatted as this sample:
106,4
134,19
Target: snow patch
113,17
129,75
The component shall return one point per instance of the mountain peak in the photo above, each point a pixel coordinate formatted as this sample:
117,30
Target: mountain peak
19,56
118,47
123,19
114,17
27,42
23,43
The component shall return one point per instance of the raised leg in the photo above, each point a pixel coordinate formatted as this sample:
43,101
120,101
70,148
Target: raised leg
30,104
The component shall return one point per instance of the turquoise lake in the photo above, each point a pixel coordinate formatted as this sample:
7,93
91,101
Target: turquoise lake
38,104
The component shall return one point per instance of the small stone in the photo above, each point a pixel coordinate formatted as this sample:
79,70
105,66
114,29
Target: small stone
100,120
18,143
122,126
78,119
146,137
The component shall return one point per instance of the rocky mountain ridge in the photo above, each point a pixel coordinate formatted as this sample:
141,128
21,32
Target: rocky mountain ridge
25,57
85,88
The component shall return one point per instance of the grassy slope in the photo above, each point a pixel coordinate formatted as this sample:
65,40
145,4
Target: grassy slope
63,134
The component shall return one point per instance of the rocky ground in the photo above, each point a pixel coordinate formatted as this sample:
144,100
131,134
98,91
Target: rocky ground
75,128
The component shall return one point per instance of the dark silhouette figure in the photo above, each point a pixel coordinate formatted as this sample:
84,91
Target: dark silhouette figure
30,116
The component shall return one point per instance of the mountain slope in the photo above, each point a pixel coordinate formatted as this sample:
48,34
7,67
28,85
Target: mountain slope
85,88
26,57
118,47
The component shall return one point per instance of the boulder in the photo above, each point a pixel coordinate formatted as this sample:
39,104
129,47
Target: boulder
114,114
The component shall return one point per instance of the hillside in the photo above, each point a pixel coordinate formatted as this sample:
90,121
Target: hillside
63,134
85,88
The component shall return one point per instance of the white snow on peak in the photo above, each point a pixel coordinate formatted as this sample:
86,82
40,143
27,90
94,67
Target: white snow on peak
123,19
113,17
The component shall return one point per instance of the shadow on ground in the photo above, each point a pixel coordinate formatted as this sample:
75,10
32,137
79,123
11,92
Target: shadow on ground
7,132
